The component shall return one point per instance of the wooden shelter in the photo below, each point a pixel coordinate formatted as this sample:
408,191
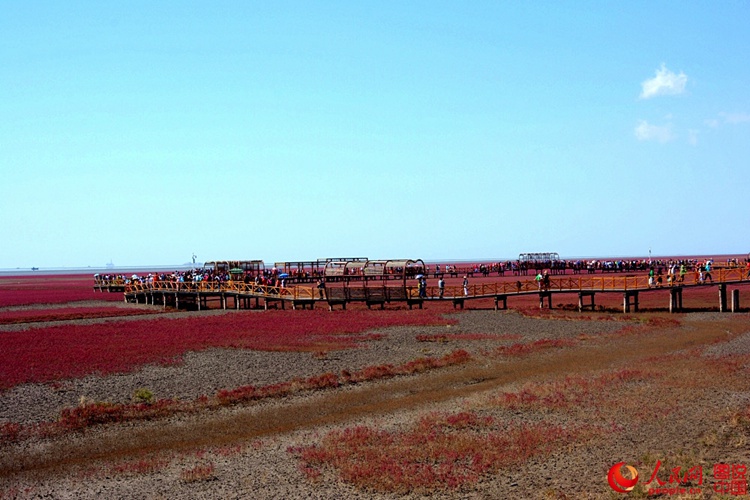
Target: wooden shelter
374,282
538,258
401,269
338,270
237,268
301,271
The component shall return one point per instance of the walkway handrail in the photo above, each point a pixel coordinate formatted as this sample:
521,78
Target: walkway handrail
574,283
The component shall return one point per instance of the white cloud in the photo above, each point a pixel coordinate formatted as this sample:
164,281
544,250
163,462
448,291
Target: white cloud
735,118
644,131
712,122
664,83
693,137
727,119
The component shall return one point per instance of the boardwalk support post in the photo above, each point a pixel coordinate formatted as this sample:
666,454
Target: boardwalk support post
630,298
542,296
303,303
736,300
504,299
581,305
675,299
722,297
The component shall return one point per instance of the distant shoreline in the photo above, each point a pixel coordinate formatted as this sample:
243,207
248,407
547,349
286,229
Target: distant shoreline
49,271
57,271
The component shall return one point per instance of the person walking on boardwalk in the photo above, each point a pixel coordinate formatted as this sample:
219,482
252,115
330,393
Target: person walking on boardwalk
683,272
466,285
441,286
545,281
672,274
707,272
539,280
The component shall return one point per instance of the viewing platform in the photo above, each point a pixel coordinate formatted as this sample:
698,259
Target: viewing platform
377,292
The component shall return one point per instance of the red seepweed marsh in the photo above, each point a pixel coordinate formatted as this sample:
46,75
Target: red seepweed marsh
358,403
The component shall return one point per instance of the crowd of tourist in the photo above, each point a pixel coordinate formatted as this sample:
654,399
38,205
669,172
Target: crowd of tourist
671,270
676,272
578,266
195,276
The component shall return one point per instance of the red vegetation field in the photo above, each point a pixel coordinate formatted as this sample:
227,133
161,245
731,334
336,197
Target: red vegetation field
24,291
52,353
534,405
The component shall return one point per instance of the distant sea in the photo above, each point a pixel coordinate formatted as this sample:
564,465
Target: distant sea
92,270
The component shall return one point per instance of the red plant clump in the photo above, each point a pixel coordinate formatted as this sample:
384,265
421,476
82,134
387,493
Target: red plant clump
66,351
203,472
419,365
520,349
252,393
441,452
66,314
11,432
139,467
570,391
91,414
662,322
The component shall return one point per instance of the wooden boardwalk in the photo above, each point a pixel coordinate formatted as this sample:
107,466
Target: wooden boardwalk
239,295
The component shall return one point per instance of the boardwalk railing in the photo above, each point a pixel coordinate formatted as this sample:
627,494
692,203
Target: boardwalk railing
230,287
579,284
576,283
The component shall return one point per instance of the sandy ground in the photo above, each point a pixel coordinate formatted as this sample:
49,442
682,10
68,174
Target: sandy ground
682,411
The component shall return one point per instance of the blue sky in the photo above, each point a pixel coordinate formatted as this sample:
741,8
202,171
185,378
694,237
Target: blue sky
144,132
